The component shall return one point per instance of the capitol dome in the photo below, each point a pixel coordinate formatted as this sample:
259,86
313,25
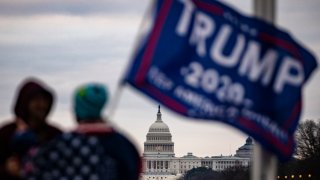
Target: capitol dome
159,125
245,150
159,139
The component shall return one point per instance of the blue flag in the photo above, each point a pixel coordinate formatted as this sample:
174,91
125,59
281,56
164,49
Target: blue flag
204,60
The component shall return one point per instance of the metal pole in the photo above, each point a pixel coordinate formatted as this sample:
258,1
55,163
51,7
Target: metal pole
264,165
114,102
265,9
116,98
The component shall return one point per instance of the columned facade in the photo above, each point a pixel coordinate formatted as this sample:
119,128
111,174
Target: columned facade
159,139
160,163
158,155
246,150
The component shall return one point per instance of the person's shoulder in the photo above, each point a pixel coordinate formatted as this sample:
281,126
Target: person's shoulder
129,155
123,140
120,136
7,128
53,129
51,132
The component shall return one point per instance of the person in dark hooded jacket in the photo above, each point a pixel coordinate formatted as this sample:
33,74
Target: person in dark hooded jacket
29,128
94,150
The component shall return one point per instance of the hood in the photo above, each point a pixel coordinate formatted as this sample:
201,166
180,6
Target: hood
28,90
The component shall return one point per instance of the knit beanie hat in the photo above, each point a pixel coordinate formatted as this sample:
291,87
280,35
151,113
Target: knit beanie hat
89,101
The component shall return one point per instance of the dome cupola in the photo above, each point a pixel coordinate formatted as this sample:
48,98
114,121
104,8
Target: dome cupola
246,150
159,125
159,139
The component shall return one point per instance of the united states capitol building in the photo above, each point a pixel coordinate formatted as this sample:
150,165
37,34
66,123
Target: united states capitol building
159,161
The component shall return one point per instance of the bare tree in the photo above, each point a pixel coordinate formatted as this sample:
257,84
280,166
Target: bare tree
308,139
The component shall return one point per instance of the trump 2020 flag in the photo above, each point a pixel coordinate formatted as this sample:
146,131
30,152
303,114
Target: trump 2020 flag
204,60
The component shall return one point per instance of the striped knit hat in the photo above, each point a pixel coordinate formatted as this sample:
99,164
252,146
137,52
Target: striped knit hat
89,101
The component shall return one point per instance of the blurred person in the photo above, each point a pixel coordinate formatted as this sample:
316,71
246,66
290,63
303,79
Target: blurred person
29,128
94,150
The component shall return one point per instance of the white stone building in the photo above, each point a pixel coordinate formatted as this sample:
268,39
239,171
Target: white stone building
246,150
160,163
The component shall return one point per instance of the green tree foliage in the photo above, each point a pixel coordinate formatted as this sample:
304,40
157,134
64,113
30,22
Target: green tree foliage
203,173
236,173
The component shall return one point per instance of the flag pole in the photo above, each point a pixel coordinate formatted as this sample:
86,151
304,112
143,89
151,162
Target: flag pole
264,165
121,84
114,101
265,10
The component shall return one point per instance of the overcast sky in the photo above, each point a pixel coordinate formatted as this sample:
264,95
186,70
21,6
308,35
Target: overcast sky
66,44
